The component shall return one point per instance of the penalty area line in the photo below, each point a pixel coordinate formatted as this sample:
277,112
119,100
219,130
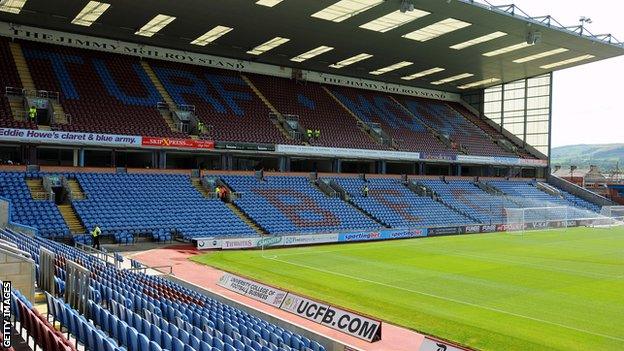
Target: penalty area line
492,309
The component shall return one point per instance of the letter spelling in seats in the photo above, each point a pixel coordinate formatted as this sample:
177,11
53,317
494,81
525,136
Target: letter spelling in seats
172,78
389,198
113,89
230,96
282,199
58,62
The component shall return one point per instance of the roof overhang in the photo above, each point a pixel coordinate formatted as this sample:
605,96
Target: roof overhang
253,25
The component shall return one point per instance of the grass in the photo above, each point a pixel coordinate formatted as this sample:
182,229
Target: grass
550,290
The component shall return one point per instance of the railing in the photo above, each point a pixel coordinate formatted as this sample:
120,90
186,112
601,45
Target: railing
546,21
145,268
52,95
162,106
190,108
102,255
13,91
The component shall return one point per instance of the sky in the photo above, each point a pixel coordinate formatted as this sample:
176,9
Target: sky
587,100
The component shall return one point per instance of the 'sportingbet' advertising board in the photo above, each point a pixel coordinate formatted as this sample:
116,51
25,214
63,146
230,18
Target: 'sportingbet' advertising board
384,234
347,322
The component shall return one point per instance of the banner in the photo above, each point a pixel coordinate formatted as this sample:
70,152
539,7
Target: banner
244,146
436,345
309,239
252,289
333,152
503,161
344,321
444,231
177,143
68,138
384,234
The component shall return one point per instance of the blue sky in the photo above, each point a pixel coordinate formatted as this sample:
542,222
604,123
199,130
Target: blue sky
587,100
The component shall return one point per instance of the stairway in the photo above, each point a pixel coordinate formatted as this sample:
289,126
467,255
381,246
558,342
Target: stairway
36,189
362,123
76,190
237,211
196,182
268,104
17,108
22,66
71,219
166,114
59,114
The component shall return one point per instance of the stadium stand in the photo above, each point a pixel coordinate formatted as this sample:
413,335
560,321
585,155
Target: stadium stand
222,100
104,93
467,197
147,203
9,78
397,206
135,311
315,110
449,122
39,213
293,205
370,107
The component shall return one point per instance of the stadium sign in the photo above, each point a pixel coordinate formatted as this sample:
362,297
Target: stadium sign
177,143
444,231
503,161
309,239
68,138
332,152
257,291
436,345
344,321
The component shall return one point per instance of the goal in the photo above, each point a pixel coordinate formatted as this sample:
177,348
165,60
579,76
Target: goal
614,212
518,220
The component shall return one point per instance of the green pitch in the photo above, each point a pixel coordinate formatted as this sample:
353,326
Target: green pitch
551,290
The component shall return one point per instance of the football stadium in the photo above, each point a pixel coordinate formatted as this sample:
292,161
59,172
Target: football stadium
289,175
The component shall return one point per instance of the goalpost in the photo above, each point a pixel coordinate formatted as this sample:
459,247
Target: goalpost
520,219
613,212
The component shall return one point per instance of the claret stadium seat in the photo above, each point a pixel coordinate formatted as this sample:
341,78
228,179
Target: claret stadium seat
292,205
222,100
316,110
372,107
396,205
103,92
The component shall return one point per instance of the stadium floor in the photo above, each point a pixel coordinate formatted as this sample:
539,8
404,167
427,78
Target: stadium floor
548,290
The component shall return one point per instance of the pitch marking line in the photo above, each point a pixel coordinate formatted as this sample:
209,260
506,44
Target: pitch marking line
453,300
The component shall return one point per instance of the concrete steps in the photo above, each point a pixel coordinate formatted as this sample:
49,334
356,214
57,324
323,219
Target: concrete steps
17,109
268,104
196,182
71,219
76,189
246,219
22,67
36,188
166,114
59,114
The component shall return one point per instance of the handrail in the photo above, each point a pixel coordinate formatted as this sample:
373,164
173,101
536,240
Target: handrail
103,255
144,268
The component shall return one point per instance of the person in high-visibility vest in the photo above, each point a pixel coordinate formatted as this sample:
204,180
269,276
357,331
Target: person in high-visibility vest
200,127
317,133
32,113
218,192
309,133
95,235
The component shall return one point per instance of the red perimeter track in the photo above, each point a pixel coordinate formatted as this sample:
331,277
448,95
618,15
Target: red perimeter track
393,338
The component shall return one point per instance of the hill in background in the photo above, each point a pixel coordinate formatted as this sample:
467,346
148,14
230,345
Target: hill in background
604,156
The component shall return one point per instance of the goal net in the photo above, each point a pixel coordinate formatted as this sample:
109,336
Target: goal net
527,218
614,212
